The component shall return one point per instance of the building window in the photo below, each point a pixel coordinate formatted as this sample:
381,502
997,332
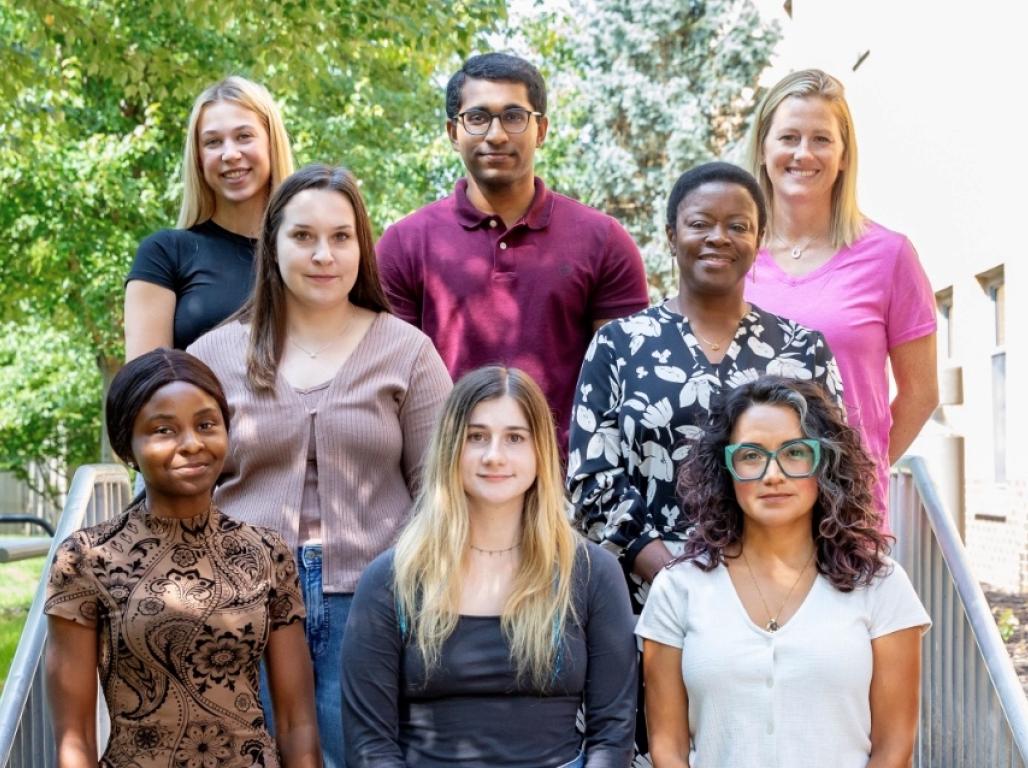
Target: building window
993,284
944,304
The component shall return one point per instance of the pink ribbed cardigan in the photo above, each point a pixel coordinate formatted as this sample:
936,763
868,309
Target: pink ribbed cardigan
373,426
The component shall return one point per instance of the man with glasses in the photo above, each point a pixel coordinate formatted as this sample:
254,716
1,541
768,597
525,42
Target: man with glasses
504,270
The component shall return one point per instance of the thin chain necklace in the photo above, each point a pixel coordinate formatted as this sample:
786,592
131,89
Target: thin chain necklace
797,250
314,354
714,345
772,623
492,552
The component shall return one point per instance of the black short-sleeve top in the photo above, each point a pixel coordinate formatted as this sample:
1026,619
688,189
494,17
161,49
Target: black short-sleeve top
209,269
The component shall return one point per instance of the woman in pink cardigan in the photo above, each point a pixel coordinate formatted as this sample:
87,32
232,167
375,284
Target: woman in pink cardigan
332,400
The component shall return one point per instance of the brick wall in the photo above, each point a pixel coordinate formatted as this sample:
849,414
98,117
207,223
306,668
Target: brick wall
997,533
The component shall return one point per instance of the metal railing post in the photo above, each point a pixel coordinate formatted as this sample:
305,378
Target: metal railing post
98,492
973,709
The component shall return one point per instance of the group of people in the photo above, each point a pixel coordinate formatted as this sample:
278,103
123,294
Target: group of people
353,544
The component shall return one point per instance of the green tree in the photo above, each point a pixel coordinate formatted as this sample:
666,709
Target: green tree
93,104
648,89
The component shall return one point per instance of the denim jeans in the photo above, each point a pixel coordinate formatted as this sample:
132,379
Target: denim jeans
326,620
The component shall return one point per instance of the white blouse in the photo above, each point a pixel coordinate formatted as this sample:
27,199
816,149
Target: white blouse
796,697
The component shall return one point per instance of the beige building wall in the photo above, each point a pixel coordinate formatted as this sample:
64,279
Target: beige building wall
939,105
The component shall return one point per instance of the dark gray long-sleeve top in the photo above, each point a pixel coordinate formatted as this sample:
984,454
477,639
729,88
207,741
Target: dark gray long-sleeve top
471,711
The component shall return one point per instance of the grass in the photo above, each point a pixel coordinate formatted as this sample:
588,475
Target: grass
19,581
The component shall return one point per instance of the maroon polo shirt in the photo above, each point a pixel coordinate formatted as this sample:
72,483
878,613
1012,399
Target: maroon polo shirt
525,297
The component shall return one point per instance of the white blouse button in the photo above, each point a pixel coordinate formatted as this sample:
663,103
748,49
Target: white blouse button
770,682
770,728
503,246
492,223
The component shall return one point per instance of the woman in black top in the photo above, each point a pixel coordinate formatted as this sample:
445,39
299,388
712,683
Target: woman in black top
475,641
185,281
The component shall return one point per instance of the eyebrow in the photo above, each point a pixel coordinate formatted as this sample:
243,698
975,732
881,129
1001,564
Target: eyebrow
305,225
507,429
241,127
768,448
513,105
173,417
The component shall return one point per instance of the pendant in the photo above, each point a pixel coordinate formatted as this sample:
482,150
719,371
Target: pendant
772,626
715,347
797,252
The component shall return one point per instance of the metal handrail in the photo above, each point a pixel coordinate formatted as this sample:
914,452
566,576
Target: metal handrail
31,520
98,492
973,708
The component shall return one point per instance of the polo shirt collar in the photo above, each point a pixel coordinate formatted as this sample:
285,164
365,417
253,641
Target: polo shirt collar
536,217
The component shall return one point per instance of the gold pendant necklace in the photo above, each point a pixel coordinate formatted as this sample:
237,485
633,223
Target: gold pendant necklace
714,345
675,306
772,623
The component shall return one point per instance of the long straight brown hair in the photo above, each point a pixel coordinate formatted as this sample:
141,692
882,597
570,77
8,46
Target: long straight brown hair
265,310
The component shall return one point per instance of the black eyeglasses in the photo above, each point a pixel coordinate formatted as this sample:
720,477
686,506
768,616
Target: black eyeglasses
796,458
513,120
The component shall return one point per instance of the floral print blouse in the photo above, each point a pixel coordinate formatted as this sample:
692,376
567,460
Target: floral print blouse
183,609
646,388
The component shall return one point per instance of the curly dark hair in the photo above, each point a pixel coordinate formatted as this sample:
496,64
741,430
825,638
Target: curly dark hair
851,548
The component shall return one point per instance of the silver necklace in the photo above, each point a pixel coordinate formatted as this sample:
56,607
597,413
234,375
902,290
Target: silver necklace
772,619
492,552
796,251
313,354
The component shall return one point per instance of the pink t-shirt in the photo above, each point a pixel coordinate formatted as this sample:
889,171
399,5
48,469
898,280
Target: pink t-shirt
867,299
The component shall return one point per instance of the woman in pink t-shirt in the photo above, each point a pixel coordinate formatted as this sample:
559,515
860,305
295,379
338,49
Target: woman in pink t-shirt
827,266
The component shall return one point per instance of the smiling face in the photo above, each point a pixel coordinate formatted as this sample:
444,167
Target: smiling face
498,462
234,153
318,250
497,160
774,501
179,442
804,152
715,238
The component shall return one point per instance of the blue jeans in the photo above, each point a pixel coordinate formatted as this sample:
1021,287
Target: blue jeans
326,620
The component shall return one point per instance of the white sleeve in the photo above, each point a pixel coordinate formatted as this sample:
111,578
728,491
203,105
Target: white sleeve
895,605
663,616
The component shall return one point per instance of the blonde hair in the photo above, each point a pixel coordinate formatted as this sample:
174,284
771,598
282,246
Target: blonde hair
431,549
847,223
197,197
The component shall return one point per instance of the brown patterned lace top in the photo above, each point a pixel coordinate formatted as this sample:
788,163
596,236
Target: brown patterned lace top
183,609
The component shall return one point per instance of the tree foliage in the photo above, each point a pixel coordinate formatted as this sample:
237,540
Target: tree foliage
652,88
49,419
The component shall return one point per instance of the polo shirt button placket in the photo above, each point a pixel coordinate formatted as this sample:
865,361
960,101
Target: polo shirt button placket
505,259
